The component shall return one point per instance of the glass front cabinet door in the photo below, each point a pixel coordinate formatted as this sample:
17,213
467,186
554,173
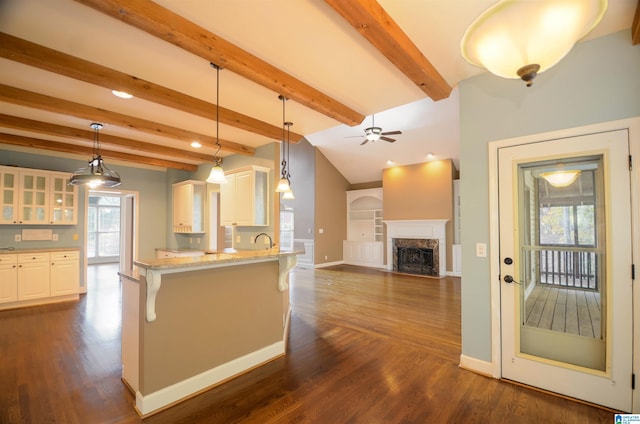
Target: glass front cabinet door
8,195
64,197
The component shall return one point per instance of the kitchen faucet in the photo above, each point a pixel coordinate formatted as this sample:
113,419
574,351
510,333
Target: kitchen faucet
267,235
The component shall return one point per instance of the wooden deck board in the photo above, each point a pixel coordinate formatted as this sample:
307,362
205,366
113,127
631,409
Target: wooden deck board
566,310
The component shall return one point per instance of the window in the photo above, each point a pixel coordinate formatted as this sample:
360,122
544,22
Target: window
103,227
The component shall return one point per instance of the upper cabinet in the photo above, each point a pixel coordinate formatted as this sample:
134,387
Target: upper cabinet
35,197
188,206
244,200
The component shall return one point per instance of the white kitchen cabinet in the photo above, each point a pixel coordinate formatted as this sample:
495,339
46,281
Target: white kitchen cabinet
37,197
33,276
8,278
9,178
244,200
63,201
64,273
188,206
365,229
34,198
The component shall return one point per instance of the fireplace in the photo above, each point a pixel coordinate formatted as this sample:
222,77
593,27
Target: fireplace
416,256
419,244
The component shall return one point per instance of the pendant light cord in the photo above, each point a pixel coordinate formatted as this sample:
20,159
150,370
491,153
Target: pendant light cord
216,157
283,147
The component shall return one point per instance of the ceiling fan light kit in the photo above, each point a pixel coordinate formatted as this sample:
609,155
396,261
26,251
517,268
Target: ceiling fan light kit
374,133
523,38
97,174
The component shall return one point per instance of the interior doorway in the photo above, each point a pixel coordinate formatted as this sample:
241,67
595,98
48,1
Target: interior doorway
111,229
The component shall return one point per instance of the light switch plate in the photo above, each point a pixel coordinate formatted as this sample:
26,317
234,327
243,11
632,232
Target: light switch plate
481,250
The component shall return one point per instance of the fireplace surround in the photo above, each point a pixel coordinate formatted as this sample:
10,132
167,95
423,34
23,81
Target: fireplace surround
421,234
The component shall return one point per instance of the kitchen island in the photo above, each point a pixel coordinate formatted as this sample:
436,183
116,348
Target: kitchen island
191,323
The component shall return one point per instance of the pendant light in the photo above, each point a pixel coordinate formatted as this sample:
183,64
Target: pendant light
216,175
522,38
283,184
97,174
288,194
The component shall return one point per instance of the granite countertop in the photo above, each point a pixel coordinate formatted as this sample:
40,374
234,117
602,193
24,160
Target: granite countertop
216,258
39,250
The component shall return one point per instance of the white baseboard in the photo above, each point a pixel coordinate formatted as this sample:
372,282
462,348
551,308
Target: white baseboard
477,366
453,274
147,404
328,264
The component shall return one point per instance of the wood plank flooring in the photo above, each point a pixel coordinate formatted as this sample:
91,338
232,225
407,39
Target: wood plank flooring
365,347
566,310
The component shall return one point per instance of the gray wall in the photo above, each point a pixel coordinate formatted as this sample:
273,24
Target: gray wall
597,82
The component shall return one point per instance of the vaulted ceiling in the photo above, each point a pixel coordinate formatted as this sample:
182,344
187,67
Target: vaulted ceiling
338,61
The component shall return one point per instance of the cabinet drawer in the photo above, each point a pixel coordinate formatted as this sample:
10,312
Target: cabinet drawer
8,259
24,258
65,256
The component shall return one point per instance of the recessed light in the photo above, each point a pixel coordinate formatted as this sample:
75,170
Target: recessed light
390,162
430,156
196,144
121,94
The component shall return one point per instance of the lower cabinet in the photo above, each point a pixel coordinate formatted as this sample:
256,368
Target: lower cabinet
8,278
365,253
64,275
33,276
41,277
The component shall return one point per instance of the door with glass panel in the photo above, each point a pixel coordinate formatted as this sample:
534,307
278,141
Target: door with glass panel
565,252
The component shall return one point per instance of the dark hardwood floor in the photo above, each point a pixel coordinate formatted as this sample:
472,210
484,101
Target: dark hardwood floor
365,347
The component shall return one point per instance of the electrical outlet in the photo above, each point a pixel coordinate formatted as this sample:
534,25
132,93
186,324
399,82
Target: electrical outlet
326,257
321,230
481,250
18,237
54,237
237,239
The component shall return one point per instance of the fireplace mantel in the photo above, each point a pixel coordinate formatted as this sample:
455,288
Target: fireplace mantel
418,229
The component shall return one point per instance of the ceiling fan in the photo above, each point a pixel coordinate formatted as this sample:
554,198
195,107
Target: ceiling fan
374,133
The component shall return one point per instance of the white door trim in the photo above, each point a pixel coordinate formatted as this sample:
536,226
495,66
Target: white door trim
633,126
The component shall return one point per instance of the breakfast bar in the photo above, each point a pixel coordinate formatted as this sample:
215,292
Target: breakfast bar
190,323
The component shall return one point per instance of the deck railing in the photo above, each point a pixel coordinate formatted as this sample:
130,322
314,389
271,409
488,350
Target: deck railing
569,267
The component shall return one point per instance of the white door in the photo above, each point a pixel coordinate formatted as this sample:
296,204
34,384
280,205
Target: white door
565,267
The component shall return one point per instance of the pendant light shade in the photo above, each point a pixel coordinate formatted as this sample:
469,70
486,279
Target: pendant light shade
561,178
288,195
96,174
522,38
216,176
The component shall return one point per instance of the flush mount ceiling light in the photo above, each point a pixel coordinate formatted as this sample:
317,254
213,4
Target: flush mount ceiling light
97,174
216,176
121,94
563,178
522,38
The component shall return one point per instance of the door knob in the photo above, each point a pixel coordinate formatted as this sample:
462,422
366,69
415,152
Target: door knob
508,279
508,261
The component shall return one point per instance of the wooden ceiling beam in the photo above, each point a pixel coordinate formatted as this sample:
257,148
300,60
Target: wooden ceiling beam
375,24
635,27
9,121
38,56
17,140
93,114
173,28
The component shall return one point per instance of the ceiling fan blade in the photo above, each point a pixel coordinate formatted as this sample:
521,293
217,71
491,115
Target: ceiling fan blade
364,142
390,140
392,132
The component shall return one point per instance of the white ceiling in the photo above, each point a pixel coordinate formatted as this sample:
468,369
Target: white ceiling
305,38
